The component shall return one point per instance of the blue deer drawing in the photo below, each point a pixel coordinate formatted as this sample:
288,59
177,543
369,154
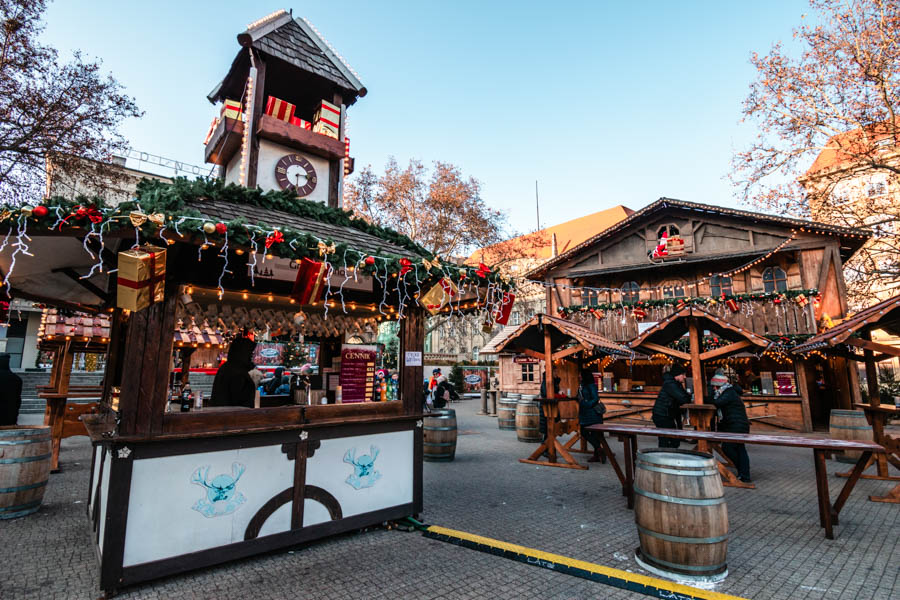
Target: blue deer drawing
364,474
221,496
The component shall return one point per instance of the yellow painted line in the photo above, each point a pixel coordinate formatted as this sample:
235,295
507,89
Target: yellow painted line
643,580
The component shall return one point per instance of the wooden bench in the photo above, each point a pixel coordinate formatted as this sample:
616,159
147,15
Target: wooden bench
64,420
828,513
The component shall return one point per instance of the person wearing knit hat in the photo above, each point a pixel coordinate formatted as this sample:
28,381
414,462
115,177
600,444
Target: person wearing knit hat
727,398
667,408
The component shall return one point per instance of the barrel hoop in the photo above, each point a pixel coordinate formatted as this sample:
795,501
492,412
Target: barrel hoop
665,458
24,432
25,506
866,428
674,500
21,442
440,428
848,413
703,473
440,443
22,488
24,459
683,540
702,568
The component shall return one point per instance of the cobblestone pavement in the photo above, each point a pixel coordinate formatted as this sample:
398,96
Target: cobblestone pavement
776,551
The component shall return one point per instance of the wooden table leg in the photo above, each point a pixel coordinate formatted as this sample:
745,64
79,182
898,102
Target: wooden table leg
612,461
824,499
57,416
864,460
629,470
892,497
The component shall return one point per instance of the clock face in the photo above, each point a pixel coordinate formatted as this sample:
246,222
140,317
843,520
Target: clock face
293,172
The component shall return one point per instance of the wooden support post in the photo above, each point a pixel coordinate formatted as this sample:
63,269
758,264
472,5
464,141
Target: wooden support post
871,372
548,378
412,338
696,368
853,376
259,106
803,390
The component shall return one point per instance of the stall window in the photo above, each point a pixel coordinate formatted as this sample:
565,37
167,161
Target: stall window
720,284
589,297
774,279
631,292
528,372
673,289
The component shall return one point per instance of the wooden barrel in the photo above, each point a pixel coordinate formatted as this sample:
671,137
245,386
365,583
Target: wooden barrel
506,412
850,425
24,469
680,511
528,418
439,436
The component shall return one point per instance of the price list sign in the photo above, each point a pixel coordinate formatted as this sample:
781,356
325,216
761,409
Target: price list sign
357,373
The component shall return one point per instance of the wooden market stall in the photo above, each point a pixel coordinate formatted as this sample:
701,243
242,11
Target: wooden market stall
263,252
852,340
562,347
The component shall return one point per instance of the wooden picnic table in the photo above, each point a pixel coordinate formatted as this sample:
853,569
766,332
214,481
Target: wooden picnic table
877,415
828,512
64,419
701,416
555,409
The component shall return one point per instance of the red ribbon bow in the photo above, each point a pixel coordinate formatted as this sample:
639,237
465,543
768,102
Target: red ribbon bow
274,238
483,270
406,266
91,212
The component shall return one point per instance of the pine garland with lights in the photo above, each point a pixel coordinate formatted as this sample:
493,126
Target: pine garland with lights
598,309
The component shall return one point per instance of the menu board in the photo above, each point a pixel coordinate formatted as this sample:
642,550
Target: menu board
357,372
785,383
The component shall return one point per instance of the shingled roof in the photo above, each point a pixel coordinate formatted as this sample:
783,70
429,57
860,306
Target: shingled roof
218,210
671,203
298,43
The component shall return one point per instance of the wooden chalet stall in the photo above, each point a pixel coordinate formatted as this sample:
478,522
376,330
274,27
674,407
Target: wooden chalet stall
765,277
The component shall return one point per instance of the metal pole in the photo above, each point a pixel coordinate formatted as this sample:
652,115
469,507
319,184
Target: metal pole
483,402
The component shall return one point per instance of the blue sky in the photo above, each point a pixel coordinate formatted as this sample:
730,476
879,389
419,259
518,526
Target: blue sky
604,103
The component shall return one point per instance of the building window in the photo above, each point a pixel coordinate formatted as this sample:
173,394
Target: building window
631,292
475,354
528,372
589,297
516,318
720,284
673,289
774,280
670,230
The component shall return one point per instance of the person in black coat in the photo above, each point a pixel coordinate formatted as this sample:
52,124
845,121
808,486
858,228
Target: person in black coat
727,398
10,393
233,385
667,408
590,412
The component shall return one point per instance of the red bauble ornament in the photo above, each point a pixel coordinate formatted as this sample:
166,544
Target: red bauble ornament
221,228
370,260
40,211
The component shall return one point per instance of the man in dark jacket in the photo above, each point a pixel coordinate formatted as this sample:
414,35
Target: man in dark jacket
590,412
10,393
667,409
727,398
233,385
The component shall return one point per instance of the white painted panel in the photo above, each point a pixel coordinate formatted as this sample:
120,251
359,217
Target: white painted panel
169,514
104,494
270,153
314,513
389,481
279,521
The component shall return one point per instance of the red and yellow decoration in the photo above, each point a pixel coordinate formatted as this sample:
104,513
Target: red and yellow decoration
278,108
141,277
439,295
309,286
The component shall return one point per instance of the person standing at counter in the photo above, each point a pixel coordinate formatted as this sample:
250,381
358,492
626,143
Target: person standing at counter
233,385
590,412
667,409
727,398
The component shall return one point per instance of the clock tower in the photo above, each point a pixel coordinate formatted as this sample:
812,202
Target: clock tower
283,115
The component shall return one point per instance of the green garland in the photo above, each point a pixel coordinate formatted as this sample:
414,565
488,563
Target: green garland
690,301
173,201
711,342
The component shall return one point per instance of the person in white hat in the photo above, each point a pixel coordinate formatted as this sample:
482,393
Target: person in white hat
727,398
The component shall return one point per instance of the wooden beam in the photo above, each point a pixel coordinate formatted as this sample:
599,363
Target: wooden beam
550,389
725,350
803,390
870,345
871,372
259,106
569,351
74,276
412,338
666,350
532,354
696,368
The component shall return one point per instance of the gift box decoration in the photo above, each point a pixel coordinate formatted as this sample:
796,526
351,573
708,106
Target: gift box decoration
802,300
327,120
141,277
231,109
639,313
301,123
675,245
212,130
439,295
278,108
504,309
732,305
309,287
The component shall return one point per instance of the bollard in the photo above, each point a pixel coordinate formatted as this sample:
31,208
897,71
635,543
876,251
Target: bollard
483,402
494,402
